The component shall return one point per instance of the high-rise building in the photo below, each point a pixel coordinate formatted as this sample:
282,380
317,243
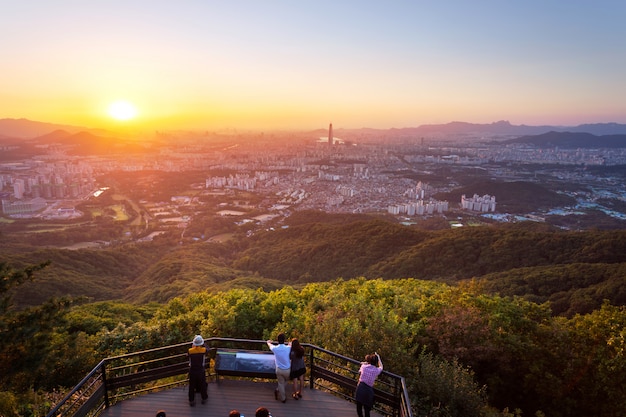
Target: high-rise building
18,188
330,134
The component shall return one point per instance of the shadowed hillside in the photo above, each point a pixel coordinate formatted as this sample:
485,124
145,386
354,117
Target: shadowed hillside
324,248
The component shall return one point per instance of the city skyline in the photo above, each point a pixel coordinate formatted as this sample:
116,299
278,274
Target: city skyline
279,65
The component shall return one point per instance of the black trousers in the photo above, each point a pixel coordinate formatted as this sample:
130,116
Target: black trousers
197,382
364,399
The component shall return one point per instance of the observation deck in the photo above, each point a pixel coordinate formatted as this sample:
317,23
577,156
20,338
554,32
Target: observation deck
142,383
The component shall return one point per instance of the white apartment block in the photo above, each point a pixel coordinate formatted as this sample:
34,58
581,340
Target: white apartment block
419,208
23,207
484,204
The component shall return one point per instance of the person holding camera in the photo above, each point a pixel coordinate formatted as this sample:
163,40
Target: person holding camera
369,371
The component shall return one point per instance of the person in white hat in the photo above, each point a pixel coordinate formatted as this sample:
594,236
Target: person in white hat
197,375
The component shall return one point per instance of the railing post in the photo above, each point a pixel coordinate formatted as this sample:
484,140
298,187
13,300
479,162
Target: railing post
104,382
311,365
397,392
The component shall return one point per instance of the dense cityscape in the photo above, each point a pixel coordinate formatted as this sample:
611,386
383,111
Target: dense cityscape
405,177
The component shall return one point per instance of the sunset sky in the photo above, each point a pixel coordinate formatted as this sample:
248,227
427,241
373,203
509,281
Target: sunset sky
303,64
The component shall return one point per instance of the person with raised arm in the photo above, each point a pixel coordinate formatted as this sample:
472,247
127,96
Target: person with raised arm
369,371
281,353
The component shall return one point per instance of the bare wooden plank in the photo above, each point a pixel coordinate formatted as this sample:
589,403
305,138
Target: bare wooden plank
243,395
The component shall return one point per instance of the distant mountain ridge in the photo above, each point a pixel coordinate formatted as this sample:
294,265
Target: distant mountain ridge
501,128
504,127
24,134
29,129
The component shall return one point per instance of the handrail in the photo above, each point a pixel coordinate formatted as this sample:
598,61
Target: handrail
118,377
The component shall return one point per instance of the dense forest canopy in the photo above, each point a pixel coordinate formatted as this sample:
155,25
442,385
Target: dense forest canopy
463,352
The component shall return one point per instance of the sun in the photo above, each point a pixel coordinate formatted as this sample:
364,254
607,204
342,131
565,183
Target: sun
122,110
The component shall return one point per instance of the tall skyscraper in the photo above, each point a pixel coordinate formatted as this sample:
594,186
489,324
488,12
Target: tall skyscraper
330,135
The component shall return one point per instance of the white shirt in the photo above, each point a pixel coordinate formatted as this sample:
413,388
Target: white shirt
281,355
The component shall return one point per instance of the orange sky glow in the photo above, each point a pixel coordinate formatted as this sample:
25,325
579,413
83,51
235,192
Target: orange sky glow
287,65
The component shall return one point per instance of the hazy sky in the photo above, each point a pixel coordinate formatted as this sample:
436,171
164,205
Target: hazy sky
302,64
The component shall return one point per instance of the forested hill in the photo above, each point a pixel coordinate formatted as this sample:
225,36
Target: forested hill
574,270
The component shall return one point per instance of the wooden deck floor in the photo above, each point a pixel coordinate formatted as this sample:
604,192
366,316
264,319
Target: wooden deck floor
245,396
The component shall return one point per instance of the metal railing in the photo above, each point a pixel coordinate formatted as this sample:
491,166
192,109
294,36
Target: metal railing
120,377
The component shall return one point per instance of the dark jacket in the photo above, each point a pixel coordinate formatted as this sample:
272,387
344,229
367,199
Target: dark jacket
197,359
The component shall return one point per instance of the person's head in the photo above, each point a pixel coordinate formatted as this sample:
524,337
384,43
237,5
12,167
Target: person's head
262,412
281,338
234,413
160,413
371,359
297,347
198,340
